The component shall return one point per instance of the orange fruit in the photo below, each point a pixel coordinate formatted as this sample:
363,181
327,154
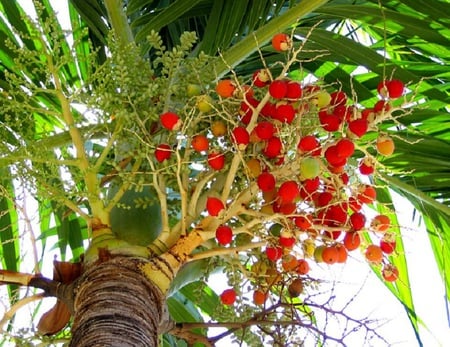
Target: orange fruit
374,254
330,254
200,143
281,42
225,88
342,253
289,262
385,145
259,297
302,267
352,240
380,223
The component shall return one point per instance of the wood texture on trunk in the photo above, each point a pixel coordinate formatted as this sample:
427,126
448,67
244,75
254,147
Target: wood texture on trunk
115,305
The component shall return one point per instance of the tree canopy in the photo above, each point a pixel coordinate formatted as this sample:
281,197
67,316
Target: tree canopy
82,133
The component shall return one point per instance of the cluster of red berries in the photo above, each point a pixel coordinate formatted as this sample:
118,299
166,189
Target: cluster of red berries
300,144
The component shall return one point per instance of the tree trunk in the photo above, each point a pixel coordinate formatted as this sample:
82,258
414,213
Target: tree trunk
115,305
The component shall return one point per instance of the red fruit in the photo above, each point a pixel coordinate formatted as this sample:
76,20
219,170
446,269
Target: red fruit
285,113
354,204
281,42
163,152
367,194
381,106
287,241
388,244
224,235
228,296
358,126
266,181
352,240
302,267
343,112
303,222
216,160
329,121
336,215
200,143
390,272
225,88
261,78
214,206
264,130
287,208
395,89
273,147
338,98
288,192
309,144
324,198
345,147
170,121
278,89
310,185
366,166
380,223
294,90
344,178
333,158
274,253
357,221
240,136
392,89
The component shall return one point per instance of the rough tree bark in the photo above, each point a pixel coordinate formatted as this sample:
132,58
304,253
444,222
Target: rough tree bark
116,305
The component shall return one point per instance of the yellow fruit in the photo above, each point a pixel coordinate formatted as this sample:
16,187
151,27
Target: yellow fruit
253,167
308,248
323,99
204,103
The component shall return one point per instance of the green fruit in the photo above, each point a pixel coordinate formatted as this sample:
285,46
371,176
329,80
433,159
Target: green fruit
309,168
137,217
193,90
318,254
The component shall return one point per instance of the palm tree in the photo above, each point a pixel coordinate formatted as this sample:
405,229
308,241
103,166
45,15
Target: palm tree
81,127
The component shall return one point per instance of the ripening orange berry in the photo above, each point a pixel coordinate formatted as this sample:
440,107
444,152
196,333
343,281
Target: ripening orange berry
200,143
374,254
289,262
225,88
352,240
330,255
380,223
385,145
281,42
302,267
259,297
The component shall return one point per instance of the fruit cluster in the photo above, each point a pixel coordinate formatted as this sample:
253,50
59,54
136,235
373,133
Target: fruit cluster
310,150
